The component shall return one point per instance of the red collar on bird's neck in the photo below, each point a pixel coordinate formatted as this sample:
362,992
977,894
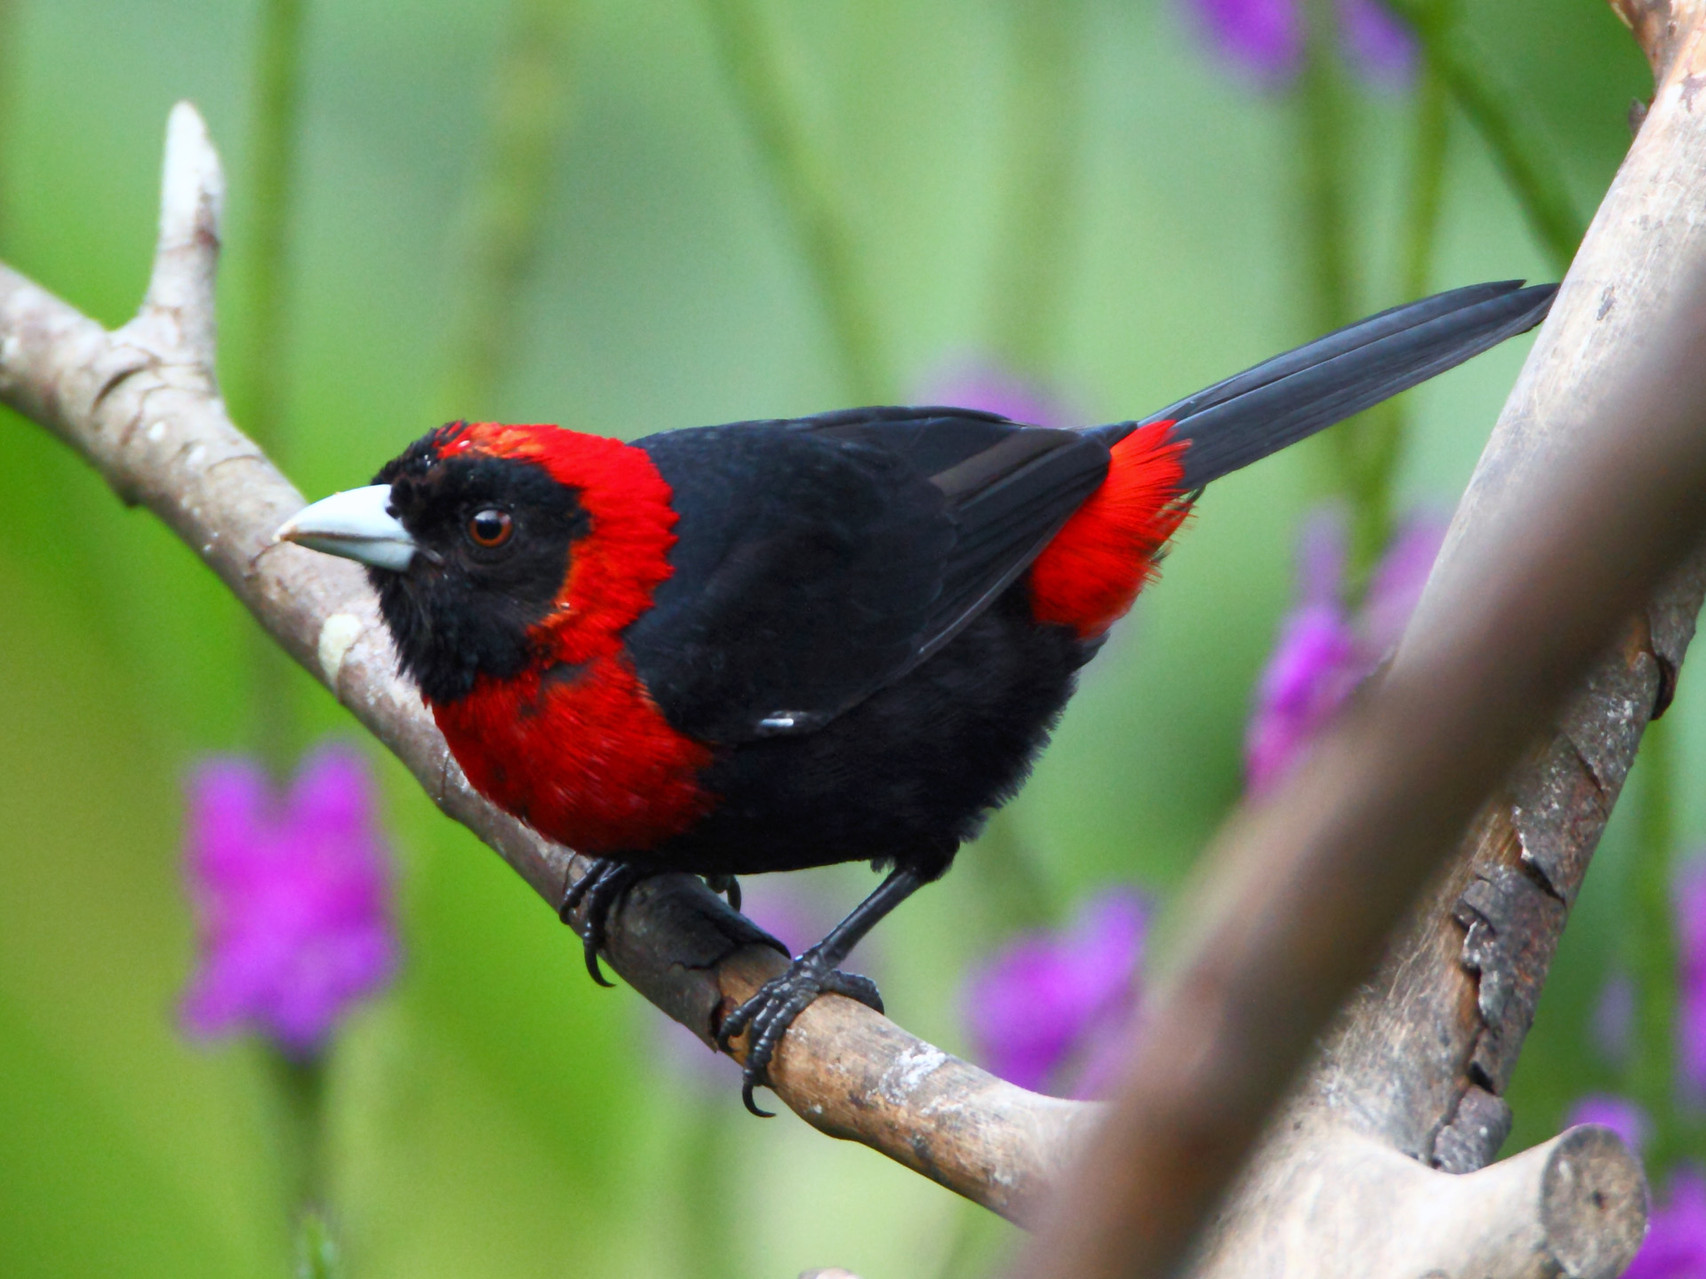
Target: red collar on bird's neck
617,564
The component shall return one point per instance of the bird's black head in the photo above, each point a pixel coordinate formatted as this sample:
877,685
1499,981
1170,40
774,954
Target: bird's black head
493,547
469,547
493,538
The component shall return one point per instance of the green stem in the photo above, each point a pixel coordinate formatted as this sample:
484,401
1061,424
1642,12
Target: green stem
299,1091
1325,112
1044,127
529,117
754,65
1519,149
1427,180
8,25
317,1254
272,146
1653,943
705,1159
1375,444
1016,892
263,380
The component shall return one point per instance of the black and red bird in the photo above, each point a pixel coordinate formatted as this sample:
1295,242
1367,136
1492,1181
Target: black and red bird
772,645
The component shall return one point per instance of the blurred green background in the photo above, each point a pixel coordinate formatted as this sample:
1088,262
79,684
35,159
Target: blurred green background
497,1114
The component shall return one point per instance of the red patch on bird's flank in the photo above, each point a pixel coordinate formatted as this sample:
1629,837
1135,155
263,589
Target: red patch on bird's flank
1092,571
574,745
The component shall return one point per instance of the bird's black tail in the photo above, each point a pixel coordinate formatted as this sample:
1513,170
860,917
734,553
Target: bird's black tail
1292,396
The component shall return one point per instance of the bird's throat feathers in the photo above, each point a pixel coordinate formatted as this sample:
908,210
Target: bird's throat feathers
573,743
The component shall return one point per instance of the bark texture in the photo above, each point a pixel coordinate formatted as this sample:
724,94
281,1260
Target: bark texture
1594,481
1407,1092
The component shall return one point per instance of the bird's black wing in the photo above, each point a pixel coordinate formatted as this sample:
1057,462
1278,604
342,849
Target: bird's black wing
820,559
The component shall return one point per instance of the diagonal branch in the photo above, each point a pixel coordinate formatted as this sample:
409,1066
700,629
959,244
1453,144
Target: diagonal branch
1586,503
141,405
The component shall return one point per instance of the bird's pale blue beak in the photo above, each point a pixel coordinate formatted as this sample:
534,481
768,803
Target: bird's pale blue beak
356,524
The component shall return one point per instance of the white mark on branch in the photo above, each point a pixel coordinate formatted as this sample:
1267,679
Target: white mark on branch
909,1070
134,422
337,637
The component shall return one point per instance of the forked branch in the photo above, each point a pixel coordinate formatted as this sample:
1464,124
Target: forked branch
142,406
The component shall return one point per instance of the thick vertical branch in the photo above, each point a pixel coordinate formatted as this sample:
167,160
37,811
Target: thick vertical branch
141,405
1590,493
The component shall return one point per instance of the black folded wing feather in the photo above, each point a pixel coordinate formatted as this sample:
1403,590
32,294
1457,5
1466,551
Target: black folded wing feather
821,559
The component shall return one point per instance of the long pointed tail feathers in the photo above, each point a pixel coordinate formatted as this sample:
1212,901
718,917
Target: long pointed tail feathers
1292,396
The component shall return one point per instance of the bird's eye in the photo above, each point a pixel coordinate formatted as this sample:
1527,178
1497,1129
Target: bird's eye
490,527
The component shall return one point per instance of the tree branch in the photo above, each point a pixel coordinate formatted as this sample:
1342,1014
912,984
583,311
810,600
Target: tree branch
1587,498
142,406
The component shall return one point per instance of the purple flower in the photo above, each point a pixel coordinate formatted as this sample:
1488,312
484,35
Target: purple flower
980,385
797,910
1053,1004
1313,670
1378,44
292,899
1675,1247
1396,584
1265,38
1324,651
1619,1114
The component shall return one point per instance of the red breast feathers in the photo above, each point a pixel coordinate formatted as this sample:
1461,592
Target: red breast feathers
574,744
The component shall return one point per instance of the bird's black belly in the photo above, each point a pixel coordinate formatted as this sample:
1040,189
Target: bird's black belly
905,775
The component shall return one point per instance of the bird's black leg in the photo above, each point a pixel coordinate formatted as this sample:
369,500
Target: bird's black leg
600,888
772,1010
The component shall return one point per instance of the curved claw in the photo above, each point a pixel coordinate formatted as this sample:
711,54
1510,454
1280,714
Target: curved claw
753,1108
589,948
770,1012
600,889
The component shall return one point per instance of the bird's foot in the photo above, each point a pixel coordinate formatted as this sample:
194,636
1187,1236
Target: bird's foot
725,886
600,889
769,1013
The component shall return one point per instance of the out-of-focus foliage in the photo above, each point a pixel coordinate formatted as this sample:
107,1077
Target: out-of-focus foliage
1324,653
1052,1009
498,1115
